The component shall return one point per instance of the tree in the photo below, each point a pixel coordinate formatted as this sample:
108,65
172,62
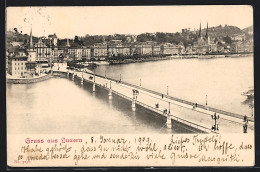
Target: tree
227,39
15,29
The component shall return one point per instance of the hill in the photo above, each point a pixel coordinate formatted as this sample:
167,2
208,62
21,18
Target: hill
248,30
221,31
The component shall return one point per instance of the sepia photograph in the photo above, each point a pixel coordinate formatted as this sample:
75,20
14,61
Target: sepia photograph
86,72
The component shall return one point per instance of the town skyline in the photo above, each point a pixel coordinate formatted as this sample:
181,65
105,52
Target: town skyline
50,20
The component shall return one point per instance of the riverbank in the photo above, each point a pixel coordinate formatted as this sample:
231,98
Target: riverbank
205,56
125,61
14,80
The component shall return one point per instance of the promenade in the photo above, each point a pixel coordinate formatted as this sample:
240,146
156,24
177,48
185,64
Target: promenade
180,110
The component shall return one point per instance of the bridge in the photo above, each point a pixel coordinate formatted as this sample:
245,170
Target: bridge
197,116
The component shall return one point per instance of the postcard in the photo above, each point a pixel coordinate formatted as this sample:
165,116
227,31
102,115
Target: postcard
117,86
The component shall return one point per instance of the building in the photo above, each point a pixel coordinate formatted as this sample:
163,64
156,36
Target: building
204,44
43,51
99,51
156,50
120,50
190,50
241,47
115,42
53,39
86,53
169,49
31,61
237,47
220,49
17,63
238,37
144,49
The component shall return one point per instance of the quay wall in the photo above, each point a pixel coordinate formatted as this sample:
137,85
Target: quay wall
28,80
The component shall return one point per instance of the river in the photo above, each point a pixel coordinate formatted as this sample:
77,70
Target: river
59,105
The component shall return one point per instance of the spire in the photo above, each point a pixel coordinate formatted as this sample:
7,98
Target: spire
207,31
200,30
31,42
68,43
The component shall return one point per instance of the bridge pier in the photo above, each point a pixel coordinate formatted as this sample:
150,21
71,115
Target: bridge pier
135,93
82,81
73,77
169,121
133,105
169,117
110,92
68,74
94,87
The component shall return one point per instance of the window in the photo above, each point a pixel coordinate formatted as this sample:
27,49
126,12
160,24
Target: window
18,68
14,63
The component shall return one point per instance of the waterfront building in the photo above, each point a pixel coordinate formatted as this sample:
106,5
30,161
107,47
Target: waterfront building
190,50
156,50
75,53
119,50
181,48
237,47
169,49
17,63
212,47
86,53
241,47
220,49
144,49
99,51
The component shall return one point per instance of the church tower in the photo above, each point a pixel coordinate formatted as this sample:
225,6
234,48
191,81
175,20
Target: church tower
68,43
207,34
31,61
31,51
200,31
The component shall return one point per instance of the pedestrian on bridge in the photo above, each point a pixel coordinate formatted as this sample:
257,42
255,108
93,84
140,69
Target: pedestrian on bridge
162,96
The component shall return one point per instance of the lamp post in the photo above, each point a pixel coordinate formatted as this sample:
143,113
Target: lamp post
167,90
140,82
206,99
245,124
169,107
120,77
215,126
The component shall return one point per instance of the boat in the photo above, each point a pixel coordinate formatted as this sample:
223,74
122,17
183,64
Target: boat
249,93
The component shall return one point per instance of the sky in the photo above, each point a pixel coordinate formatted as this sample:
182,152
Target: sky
67,22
